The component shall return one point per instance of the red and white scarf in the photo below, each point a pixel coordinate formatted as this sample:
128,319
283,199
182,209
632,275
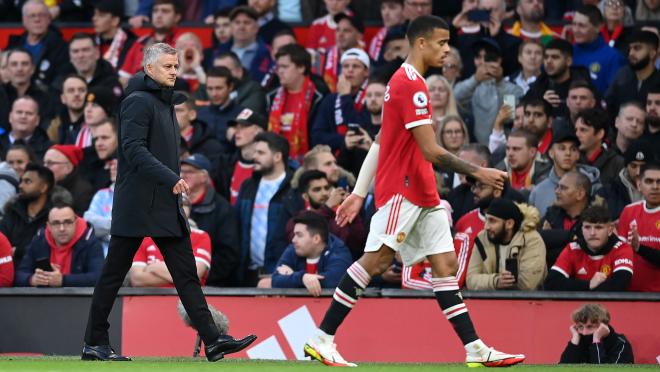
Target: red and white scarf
358,104
377,43
112,54
330,68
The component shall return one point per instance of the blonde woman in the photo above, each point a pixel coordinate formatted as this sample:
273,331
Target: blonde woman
452,134
442,98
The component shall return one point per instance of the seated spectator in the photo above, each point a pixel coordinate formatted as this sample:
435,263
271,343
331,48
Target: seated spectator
221,105
321,158
321,35
260,209
24,128
639,225
647,11
338,111
453,66
482,93
198,136
6,262
530,57
113,41
511,253
652,134
391,12
581,96
564,155
63,161
598,260
590,49
64,254
221,33
441,95
632,82
269,24
191,70
70,119
99,213
236,167
350,33
19,156
321,197
617,26
44,43
593,339
100,105
461,198
190,14
537,118
8,184
591,126
95,158
452,134
24,216
630,123
248,91
282,38
315,259
624,190
213,214
149,269
294,104
525,168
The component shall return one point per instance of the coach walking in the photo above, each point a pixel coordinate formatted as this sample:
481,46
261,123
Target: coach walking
146,203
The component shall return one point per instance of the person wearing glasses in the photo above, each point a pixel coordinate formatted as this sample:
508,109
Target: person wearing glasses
65,253
63,161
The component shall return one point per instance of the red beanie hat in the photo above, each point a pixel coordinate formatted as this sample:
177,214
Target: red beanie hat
72,152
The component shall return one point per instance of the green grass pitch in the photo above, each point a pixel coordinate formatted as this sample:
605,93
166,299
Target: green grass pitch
71,364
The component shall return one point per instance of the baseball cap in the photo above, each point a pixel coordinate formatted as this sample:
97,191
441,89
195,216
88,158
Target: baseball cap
198,161
561,132
356,53
103,97
249,117
487,43
639,150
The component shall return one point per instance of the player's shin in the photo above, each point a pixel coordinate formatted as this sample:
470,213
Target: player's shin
451,302
346,295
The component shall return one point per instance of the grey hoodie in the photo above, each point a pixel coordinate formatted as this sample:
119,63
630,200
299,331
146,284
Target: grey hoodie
543,195
8,184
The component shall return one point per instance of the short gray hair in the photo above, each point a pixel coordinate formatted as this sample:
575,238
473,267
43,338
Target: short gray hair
152,52
33,2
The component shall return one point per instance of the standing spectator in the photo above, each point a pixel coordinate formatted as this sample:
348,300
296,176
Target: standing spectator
235,168
112,40
598,260
530,57
593,339
638,224
269,24
591,127
94,165
293,105
623,190
68,246
630,124
197,135
350,33
282,38
564,154
24,128
195,10
149,269
71,116
530,25
260,209
252,52
221,33
590,49
521,162
19,156
581,96
315,259
28,213
511,252
213,214
322,33
647,11
165,16
391,12
191,70
537,119
43,42
616,28
248,91
482,93
632,82
99,213
221,106
6,262
63,161
345,107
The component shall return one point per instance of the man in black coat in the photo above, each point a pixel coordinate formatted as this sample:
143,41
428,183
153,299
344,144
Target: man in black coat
147,203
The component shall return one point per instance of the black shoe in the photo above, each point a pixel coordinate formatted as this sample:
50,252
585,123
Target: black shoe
226,344
103,352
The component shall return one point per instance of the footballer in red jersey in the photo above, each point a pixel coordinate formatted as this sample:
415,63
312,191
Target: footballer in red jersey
410,219
639,223
598,260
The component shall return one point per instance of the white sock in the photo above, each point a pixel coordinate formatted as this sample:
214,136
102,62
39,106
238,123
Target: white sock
325,337
476,347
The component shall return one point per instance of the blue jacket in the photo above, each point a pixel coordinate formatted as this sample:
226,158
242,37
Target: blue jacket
329,117
278,215
210,6
602,60
261,63
86,260
335,259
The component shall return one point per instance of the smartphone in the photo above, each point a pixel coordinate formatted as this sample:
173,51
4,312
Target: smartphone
510,100
354,128
479,15
43,264
511,265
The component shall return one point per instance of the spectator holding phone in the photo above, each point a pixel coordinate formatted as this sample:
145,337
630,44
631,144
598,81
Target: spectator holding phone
510,252
593,339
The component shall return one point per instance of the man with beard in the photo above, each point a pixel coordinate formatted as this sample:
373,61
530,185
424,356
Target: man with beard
632,82
537,118
74,92
591,126
511,253
27,214
531,26
321,197
261,209
652,134
598,260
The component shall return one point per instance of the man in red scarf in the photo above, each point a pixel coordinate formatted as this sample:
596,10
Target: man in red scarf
64,254
292,106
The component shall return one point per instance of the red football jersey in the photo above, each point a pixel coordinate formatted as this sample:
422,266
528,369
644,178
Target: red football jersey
573,262
402,168
201,244
647,275
322,33
467,229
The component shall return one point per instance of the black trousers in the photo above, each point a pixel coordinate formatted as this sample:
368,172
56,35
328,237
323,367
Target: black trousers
177,252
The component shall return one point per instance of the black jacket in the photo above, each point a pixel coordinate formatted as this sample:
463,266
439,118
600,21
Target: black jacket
64,131
45,98
609,162
543,84
19,228
38,142
555,216
616,196
80,189
148,168
104,77
613,349
203,142
225,172
93,169
54,55
626,87
215,216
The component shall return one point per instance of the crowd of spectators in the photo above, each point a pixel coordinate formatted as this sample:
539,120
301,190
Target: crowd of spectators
562,95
